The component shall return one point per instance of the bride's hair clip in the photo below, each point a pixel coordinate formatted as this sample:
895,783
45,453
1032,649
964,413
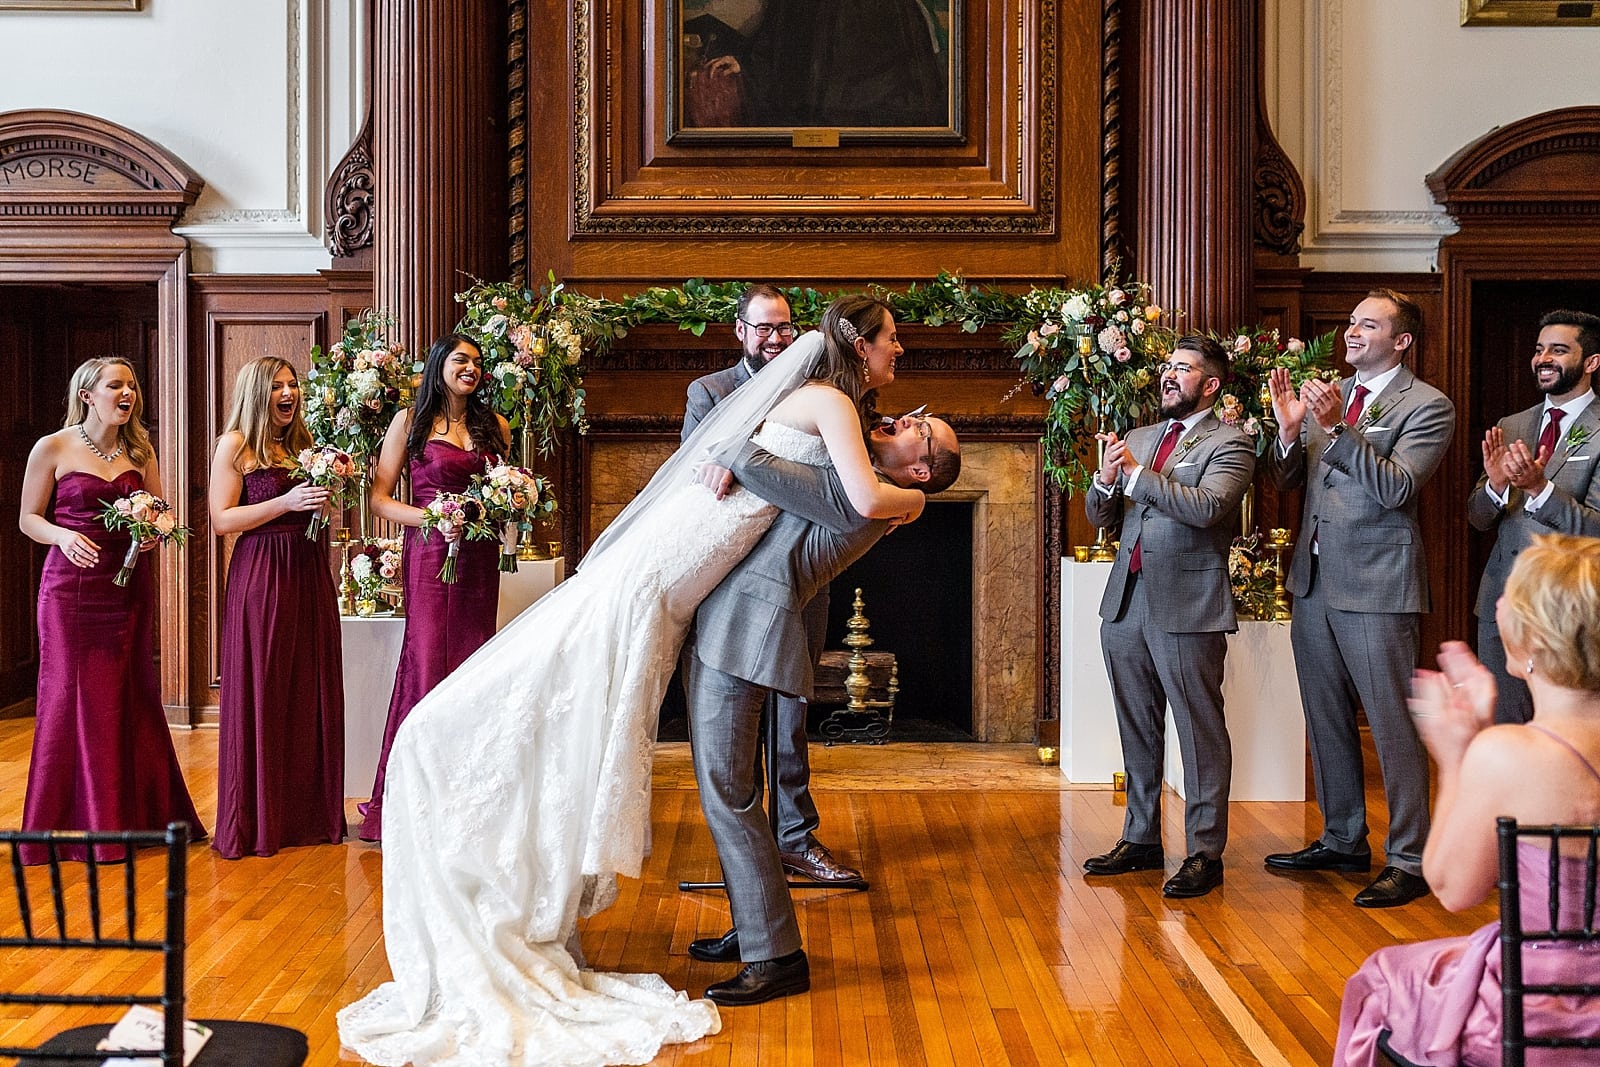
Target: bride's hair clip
848,329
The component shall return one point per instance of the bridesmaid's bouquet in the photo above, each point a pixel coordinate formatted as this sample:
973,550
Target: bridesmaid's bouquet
511,497
146,517
332,468
450,512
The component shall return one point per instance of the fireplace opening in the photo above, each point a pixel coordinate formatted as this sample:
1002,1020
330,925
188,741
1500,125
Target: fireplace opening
916,584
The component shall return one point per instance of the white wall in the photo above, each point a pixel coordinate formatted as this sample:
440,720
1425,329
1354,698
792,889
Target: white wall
1369,96
260,97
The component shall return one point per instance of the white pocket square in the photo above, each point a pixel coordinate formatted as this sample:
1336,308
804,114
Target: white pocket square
1187,463
1576,459
1378,429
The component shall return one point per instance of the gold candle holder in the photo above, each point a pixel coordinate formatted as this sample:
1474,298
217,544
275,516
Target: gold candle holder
1279,541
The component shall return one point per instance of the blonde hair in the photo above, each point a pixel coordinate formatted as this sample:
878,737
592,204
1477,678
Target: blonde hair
250,415
1551,610
132,436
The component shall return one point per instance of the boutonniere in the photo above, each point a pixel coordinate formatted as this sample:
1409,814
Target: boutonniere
1372,413
1186,446
1576,437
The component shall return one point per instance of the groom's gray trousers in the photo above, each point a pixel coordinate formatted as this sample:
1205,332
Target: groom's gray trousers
725,723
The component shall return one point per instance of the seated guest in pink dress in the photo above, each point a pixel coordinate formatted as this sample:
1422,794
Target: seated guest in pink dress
102,754
450,435
1440,1000
280,754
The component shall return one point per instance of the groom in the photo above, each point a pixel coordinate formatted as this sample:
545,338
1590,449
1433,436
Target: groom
749,640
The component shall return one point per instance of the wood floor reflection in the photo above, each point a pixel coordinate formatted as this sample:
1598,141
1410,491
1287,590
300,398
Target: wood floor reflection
980,942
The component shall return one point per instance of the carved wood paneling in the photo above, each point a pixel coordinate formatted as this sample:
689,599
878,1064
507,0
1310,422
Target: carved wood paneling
439,149
1194,158
236,318
348,206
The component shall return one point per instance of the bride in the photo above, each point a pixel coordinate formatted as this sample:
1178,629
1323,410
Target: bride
519,788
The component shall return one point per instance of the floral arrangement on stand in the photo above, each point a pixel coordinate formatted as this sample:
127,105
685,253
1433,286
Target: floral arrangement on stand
355,387
532,352
146,517
512,498
375,569
1252,354
1095,353
1253,574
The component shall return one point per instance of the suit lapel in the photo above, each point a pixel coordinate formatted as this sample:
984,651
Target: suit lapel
1588,423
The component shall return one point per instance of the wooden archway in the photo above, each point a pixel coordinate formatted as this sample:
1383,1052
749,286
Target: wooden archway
85,200
1527,199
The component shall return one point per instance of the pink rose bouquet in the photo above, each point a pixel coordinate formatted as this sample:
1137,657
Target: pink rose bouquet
147,518
450,512
511,498
332,468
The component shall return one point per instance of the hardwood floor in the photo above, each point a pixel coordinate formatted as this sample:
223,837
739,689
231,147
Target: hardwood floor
980,942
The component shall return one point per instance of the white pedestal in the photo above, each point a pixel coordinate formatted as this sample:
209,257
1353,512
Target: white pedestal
1261,700
532,580
371,656
1090,747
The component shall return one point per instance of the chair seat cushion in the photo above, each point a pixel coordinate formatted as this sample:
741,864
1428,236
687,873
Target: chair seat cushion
232,1044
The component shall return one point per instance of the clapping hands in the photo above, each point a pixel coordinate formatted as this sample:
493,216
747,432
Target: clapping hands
1452,705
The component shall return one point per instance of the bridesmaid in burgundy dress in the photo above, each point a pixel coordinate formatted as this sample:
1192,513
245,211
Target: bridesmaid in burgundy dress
447,437
102,754
280,774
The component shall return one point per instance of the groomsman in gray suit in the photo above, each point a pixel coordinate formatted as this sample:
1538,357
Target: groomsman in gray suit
1549,486
762,323
750,640
1363,448
1168,609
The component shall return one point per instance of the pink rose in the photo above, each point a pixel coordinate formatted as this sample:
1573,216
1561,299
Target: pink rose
1295,345
1060,384
1241,343
1116,296
1122,355
165,524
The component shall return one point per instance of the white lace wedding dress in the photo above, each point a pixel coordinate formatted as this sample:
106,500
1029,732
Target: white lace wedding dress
520,787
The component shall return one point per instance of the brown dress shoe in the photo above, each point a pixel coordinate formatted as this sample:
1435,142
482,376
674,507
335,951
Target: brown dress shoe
818,864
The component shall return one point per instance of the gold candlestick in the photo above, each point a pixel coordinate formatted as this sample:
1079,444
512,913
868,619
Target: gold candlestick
1280,541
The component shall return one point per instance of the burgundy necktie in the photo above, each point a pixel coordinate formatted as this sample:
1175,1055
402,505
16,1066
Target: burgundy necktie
1358,403
1552,428
1163,453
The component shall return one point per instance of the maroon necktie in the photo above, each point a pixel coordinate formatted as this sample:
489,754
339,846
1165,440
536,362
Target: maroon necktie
1358,403
1168,443
1547,439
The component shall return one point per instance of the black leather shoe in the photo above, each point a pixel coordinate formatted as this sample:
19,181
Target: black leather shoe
724,949
1199,875
1125,857
818,864
1392,888
762,981
1319,857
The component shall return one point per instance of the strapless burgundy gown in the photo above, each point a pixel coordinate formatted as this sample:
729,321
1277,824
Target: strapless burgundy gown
444,623
102,753
280,773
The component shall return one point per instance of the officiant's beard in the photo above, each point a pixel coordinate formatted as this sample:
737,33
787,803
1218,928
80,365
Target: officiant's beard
1180,404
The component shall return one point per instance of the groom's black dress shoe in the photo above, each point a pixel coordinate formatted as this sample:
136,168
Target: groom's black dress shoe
724,949
1319,857
1199,875
1392,888
1125,857
762,981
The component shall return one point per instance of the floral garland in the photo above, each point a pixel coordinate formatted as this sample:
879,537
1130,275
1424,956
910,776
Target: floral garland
1094,353
1253,352
1253,575
532,351
354,389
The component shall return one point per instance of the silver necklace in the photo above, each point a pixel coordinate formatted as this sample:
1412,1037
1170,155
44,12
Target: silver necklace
93,448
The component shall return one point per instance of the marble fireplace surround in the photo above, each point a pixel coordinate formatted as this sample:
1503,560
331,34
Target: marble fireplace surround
636,408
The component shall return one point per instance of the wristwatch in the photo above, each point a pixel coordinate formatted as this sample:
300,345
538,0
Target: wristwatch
1336,430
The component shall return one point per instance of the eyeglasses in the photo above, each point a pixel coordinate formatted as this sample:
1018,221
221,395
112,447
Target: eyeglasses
1177,368
924,431
765,330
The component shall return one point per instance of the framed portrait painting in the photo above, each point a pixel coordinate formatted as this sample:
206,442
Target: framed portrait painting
791,71
1529,13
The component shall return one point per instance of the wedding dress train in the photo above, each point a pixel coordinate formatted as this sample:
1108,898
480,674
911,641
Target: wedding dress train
520,787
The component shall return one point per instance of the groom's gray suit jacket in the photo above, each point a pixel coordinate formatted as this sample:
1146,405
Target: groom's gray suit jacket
752,626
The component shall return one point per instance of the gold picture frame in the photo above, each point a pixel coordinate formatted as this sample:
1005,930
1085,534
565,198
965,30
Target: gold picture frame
1529,13
71,5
